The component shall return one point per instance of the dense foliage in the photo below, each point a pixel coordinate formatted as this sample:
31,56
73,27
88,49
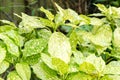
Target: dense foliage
65,46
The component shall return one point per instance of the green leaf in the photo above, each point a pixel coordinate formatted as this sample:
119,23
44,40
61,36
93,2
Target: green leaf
23,70
11,46
83,36
66,14
117,22
115,52
59,20
93,65
110,77
47,23
13,76
78,57
60,66
29,23
87,68
106,77
113,12
2,53
3,66
44,33
28,36
102,38
49,15
59,47
73,66
31,60
34,46
59,8
79,76
84,20
102,8
47,60
96,21
6,28
112,68
116,39
43,72
18,40
84,45
6,22
11,58
98,63
73,40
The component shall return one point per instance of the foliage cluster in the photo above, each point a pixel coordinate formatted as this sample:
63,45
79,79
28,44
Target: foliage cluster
65,46
30,7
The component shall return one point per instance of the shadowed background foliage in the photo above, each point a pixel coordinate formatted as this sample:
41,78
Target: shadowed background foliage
31,7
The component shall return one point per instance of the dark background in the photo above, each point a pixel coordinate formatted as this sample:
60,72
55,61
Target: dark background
31,7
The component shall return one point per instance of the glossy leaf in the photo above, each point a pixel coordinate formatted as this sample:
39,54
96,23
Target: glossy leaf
47,22
113,12
43,72
96,22
2,54
84,20
44,33
117,22
66,14
73,67
112,68
11,46
47,60
23,71
59,20
34,46
5,28
3,66
60,66
13,76
87,68
11,58
31,60
83,37
18,40
78,57
110,77
73,40
79,76
93,65
102,38
59,47
49,15
29,23
98,62
66,46
116,39
102,8
6,22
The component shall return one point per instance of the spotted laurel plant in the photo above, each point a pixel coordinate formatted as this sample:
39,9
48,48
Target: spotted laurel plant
64,46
